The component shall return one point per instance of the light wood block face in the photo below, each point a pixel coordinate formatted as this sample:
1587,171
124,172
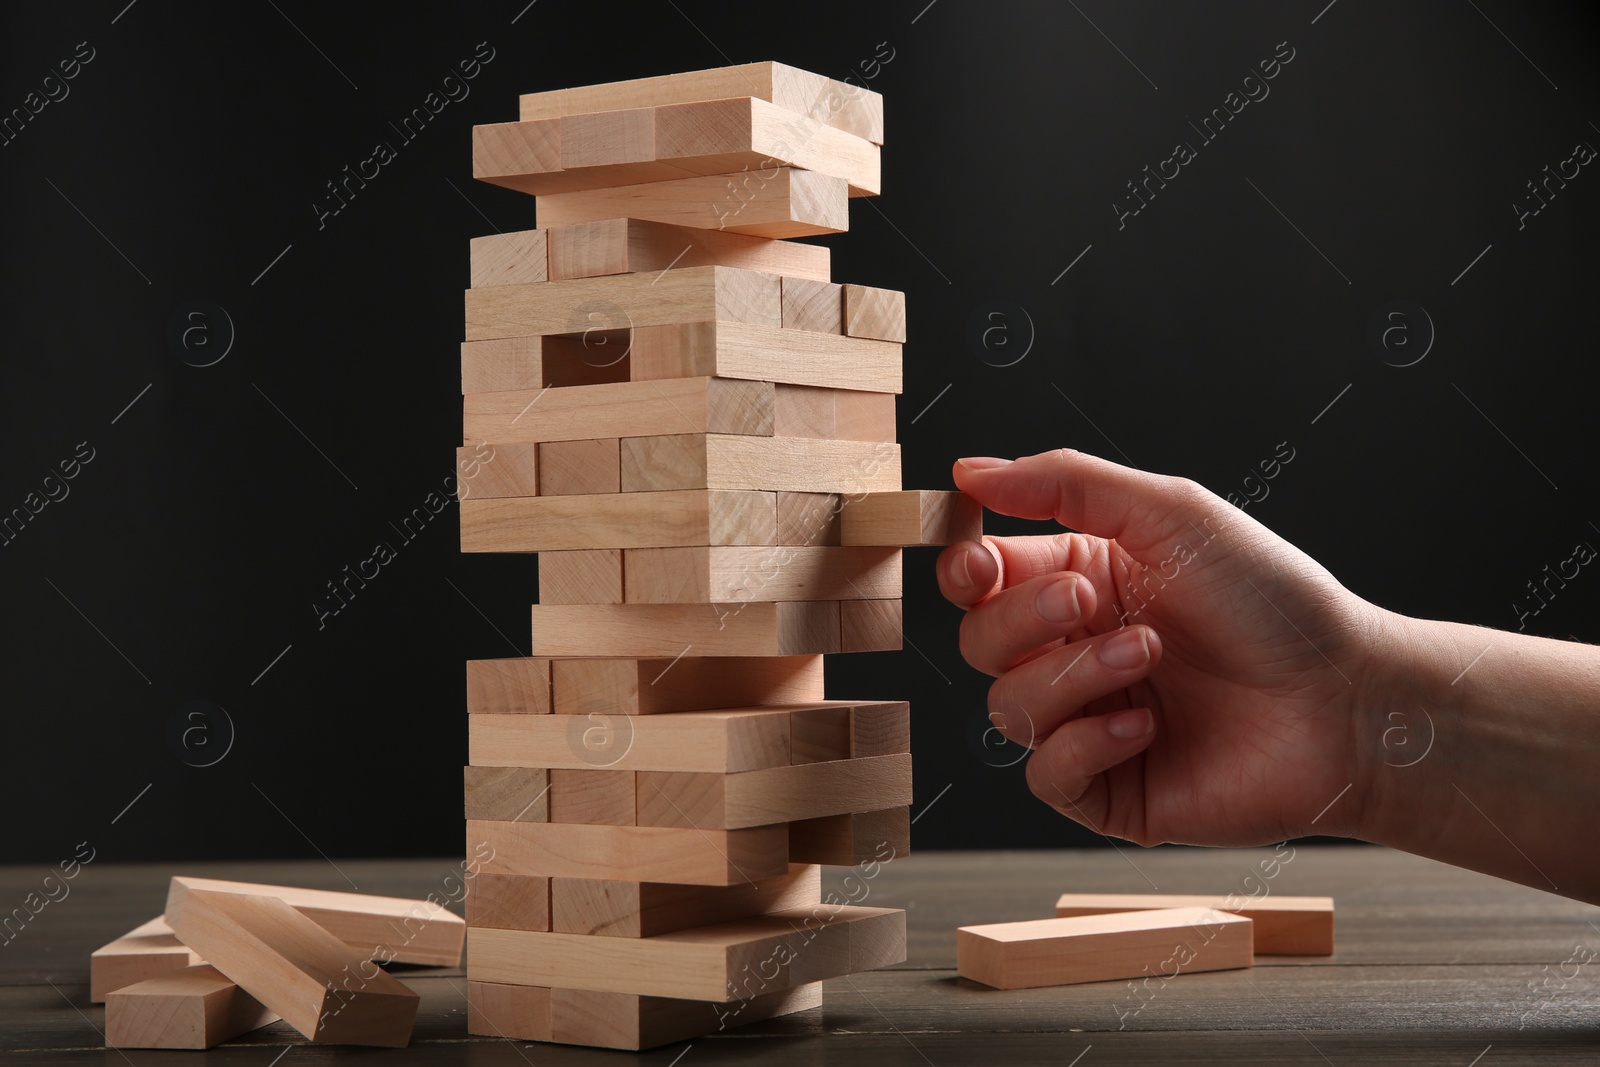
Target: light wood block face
911,517
514,1012
508,686
510,258
718,136
644,909
609,138
792,628
382,928
836,414
809,518
319,985
820,735
775,795
1285,926
688,683
508,901
504,150
586,577
193,1008
497,470
506,363
577,468
719,962
147,951
652,853
507,794
738,575
880,729
633,520
840,104
599,797
764,352
723,741
625,301
622,246
629,1021
620,409
846,840
1099,948
809,304
730,461
770,202
870,312
870,626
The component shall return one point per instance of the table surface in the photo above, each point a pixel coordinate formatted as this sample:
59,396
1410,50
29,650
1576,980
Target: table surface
1434,965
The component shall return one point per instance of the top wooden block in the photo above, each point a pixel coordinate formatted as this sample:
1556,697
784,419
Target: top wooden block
838,104
1285,926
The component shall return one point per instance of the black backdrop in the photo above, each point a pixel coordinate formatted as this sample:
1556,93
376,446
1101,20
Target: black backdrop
178,170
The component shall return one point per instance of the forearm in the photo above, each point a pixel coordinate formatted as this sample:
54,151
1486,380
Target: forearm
1484,752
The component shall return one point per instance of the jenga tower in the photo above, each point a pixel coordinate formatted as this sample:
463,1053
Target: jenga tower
693,426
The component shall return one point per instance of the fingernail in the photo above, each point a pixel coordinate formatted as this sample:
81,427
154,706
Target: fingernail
982,463
964,567
1129,649
1058,601
1130,724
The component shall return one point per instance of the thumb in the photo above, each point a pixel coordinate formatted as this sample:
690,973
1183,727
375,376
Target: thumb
1141,511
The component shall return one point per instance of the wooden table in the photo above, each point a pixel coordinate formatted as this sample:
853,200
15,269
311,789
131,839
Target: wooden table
1434,966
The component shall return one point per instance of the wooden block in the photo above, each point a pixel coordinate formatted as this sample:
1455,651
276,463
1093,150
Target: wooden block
819,735
1285,926
880,729
384,928
764,353
624,246
593,576
620,409
809,518
770,202
870,626
508,901
595,797
644,909
735,461
514,1012
510,258
846,840
629,1021
503,150
193,1008
611,138
625,301
507,794
836,414
870,312
633,520
497,470
730,960
844,105
911,517
503,364
595,352
147,951
688,683
508,686
791,628
1099,948
812,305
775,795
732,740
648,853
576,468
326,990
736,575
863,416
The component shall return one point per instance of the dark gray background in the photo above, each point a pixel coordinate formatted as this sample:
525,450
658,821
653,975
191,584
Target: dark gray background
1224,319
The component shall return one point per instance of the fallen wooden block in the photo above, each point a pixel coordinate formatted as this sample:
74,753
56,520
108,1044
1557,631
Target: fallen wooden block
195,1007
832,414
770,202
580,468
644,909
391,929
730,740
508,901
629,246
910,517
686,683
508,686
645,853
507,794
706,800
870,625
734,461
326,990
734,575
620,409
684,518
789,628
848,840
1099,948
763,352
1285,926
589,576
497,470
727,961
812,304
147,951
510,258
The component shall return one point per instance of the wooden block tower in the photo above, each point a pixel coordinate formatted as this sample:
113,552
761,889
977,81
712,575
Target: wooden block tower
693,426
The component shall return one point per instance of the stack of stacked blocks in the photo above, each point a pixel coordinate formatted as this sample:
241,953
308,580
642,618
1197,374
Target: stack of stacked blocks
693,425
